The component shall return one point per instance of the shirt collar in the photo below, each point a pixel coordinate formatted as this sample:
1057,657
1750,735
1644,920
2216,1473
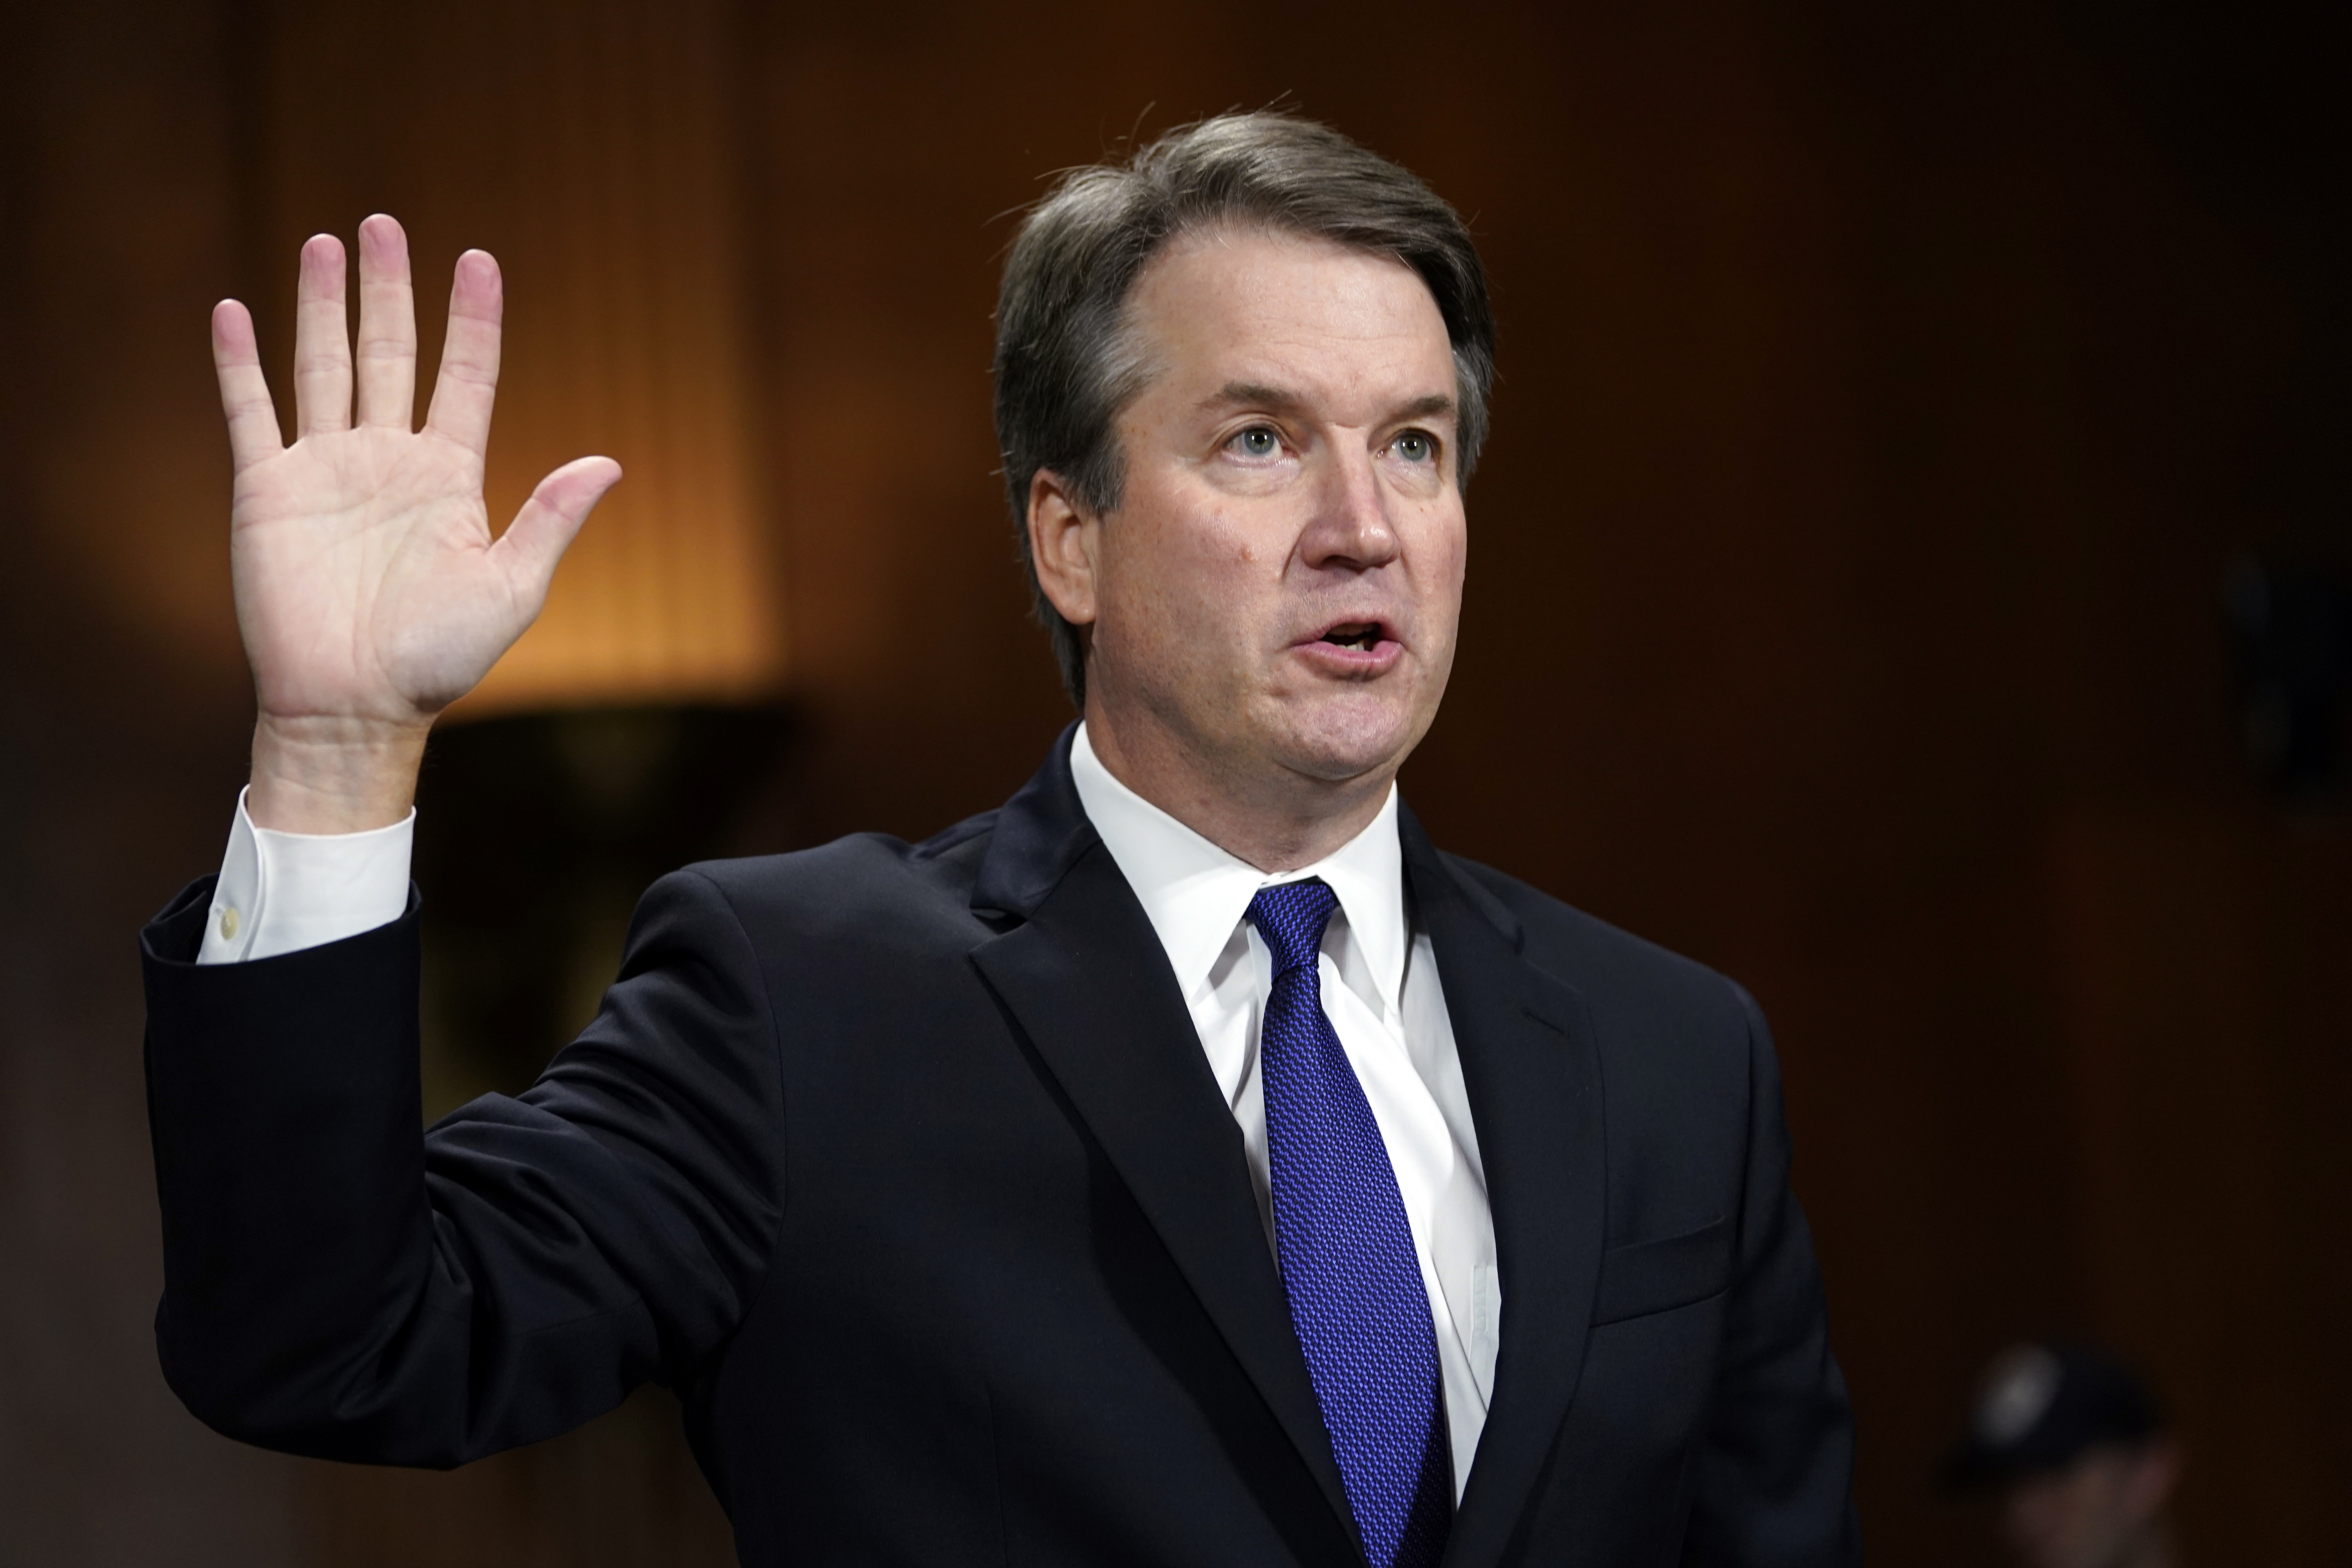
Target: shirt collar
1195,893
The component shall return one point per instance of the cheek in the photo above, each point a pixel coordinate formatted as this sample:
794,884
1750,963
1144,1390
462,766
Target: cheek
1441,557
1176,581
1456,533
1189,548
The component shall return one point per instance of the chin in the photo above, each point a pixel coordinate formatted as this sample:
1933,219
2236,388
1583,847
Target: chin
1346,740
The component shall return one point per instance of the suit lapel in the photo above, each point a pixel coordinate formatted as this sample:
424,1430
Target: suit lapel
1087,979
1534,1083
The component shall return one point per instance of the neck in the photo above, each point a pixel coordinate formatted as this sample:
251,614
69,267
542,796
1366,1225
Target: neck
1276,820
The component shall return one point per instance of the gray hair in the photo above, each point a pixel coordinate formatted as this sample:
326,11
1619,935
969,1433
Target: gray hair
1067,362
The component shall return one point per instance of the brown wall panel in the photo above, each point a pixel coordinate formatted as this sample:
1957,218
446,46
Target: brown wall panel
2198,955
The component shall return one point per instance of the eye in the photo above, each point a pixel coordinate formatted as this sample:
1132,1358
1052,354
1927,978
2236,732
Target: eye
1415,447
1258,441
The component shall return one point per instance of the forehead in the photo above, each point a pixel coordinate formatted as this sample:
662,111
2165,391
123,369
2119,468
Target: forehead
1285,309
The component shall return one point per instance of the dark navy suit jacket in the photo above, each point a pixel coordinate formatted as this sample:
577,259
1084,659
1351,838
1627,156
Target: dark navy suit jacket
903,1166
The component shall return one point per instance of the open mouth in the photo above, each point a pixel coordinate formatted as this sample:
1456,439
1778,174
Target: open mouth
1363,634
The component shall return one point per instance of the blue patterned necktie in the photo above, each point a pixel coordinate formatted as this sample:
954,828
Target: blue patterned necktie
1348,1261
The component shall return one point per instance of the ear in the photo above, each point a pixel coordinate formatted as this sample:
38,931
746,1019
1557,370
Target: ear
1064,541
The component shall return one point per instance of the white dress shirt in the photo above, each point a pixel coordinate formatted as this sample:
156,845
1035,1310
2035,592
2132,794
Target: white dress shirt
1381,992
279,892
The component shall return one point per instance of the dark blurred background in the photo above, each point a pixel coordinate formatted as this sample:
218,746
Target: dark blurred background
1909,576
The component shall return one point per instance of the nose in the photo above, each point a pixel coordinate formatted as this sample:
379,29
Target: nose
1350,527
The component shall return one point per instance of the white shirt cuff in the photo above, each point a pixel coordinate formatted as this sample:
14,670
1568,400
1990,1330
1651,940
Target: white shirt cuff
281,892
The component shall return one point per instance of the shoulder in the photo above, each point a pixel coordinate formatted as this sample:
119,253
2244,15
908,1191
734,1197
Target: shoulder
866,887
1624,979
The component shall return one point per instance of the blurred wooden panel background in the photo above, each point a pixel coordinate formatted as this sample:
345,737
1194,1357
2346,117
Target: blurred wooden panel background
1884,399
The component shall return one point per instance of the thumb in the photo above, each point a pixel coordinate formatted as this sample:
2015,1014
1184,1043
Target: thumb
544,528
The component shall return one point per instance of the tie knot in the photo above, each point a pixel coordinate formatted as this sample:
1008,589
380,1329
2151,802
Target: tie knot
1291,919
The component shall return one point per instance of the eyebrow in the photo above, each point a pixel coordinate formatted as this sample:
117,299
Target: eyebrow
1277,400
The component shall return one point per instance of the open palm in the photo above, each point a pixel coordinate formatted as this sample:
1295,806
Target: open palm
370,590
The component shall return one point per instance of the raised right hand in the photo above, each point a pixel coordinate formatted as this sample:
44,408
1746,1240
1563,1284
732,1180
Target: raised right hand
370,592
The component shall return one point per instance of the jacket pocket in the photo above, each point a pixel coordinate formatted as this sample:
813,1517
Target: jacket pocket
1655,1276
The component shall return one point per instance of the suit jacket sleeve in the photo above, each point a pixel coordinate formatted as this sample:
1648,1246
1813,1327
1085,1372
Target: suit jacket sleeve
340,1282
1776,1463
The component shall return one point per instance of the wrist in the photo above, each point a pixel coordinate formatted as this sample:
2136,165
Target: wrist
321,775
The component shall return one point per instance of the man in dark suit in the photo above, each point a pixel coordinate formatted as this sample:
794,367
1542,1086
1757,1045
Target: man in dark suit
1185,1163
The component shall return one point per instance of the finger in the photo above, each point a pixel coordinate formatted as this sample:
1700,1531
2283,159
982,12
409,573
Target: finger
547,522
322,344
386,360
253,433
469,382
